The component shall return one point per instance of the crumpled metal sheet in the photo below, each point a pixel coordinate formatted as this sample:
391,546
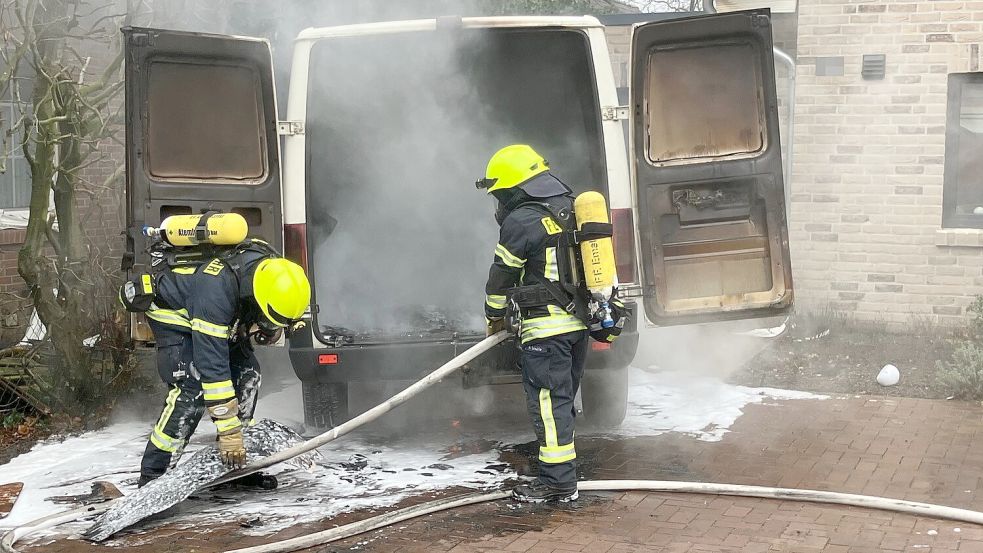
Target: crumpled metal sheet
262,439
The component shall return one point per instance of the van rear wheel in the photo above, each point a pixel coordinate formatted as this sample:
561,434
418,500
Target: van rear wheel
325,404
605,397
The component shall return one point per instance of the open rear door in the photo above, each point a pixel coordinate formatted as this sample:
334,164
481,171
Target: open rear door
201,132
201,135
707,169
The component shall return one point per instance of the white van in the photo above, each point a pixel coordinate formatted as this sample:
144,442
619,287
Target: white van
389,124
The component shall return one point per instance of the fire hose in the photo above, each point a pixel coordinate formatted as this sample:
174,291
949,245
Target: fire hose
11,537
812,496
816,496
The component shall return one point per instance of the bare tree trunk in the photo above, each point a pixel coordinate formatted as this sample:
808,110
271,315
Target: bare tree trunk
63,129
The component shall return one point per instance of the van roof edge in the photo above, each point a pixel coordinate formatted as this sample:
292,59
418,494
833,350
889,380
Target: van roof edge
413,25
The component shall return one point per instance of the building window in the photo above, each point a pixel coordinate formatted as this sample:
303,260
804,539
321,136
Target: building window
963,190
15,176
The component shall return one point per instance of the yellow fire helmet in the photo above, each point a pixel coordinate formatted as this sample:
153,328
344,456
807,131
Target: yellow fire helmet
512,166
282,290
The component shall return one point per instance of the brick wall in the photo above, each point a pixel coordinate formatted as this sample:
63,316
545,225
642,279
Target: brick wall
866,202
100,213
14,307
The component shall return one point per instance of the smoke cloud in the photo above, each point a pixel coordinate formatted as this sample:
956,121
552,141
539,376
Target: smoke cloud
399,127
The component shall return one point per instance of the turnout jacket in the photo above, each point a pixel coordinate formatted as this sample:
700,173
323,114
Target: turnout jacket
527,244
207,302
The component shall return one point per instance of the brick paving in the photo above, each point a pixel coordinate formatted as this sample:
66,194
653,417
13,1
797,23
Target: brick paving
922,450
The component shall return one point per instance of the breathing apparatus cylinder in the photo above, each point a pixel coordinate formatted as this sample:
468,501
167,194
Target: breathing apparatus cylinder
600,270
220,229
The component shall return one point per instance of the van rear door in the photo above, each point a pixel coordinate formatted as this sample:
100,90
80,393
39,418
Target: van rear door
707,169
201,132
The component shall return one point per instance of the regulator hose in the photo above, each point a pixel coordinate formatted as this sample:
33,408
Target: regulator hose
813,496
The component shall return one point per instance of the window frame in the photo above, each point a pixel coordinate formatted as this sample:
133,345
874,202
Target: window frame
950,178
758,93
9,106
262,126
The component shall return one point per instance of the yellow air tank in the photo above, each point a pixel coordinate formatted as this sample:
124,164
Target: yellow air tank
598,254
221,229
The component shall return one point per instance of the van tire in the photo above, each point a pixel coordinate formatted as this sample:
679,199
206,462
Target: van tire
605,397
325,405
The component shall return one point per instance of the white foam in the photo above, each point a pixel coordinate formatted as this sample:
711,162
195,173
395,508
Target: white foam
659,402
700,406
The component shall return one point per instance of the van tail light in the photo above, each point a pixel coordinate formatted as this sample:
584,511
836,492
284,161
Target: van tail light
624,244
295,244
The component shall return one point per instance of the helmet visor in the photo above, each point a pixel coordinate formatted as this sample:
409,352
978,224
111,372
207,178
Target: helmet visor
484,183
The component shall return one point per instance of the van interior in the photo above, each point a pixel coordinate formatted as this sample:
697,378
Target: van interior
399,127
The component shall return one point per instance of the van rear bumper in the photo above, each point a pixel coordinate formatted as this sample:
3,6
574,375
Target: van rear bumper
411,361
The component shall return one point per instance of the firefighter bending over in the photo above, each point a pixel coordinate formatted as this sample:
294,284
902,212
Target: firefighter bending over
202,316
534,210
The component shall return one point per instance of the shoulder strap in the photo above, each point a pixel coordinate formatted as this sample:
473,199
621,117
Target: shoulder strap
565,297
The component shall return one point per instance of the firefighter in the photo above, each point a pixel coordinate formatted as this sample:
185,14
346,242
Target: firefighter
552,339
203,317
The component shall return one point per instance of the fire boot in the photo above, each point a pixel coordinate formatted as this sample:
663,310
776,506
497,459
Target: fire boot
256,480
147,478
539,491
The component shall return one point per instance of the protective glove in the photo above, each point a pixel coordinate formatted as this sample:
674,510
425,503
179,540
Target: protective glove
494,326
231,448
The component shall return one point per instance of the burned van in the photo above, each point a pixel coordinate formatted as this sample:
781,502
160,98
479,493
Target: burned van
389,124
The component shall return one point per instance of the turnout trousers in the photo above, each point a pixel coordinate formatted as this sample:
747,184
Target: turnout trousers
551,372
185,404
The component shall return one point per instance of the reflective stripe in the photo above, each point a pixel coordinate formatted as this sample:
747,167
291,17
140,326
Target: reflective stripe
552,270
158,437
495,301
164,442
507,257
211,329
224,425
556,310
552,325
558,454
184,270
171,317
546,413
165,415
218,390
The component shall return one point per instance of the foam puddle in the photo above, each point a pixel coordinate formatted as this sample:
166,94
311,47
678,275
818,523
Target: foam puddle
361,470
699,406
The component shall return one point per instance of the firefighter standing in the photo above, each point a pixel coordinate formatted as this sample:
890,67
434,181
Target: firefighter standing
553,340
202,316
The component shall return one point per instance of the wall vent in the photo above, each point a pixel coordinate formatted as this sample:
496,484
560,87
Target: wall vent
873,66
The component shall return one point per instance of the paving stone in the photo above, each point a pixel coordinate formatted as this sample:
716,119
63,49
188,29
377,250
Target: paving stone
916,449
